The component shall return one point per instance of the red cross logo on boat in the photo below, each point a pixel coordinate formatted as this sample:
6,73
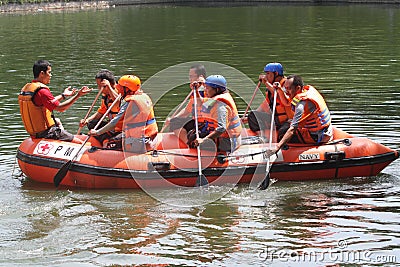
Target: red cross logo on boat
44,149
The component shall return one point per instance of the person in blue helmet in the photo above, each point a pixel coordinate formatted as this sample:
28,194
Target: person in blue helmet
218,119
259,120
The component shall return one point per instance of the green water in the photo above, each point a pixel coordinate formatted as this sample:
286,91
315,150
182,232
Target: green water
351,53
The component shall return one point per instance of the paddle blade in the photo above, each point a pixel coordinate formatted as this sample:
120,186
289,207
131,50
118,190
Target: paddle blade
61,173
201,180
265,183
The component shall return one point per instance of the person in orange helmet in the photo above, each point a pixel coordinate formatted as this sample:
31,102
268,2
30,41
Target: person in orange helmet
137,115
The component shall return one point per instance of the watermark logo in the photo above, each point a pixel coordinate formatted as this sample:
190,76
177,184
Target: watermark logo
338,254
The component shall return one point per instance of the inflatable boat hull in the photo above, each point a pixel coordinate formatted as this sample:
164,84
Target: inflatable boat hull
347,156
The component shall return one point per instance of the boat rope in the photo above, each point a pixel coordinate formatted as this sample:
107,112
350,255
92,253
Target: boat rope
155,153
265,152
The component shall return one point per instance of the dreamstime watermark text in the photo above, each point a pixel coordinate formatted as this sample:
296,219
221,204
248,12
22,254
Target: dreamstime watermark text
340,253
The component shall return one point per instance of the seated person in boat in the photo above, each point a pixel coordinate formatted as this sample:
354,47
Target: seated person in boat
137,114
106,82
311,123
183,122
37,103
259,120
218,118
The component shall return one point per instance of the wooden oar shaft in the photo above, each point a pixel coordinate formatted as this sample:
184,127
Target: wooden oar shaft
265,183
98,124
90,109
64,169
176,111
251,100
201,179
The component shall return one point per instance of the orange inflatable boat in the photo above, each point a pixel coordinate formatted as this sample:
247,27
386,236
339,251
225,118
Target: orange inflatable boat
97,168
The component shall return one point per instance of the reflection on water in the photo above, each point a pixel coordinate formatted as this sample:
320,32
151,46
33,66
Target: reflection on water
350,53
125,227
288,217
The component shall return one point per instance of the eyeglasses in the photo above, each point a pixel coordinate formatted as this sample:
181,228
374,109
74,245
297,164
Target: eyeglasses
197,83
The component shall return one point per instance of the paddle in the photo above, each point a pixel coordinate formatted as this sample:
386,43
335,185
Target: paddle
201,179
176,111
90,109
265,183
251,100
65,168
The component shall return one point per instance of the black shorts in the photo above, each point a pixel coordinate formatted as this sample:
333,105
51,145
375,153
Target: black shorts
56,133
107,135
259,121
177,123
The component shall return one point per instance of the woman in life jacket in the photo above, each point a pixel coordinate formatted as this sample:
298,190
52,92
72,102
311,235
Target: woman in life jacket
139,123
219,123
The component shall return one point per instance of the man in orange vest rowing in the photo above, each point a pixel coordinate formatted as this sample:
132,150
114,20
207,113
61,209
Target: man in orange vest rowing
259,120
37,103
183,122
106,81
311,122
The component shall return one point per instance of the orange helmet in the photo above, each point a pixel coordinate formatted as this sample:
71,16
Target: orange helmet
131,82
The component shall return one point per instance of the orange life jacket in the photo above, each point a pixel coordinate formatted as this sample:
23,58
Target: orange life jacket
143,124
282,113
208,115
190,104
36,119
312,121
106,102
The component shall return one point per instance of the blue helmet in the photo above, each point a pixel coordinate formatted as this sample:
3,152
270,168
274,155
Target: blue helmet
274,67
216,81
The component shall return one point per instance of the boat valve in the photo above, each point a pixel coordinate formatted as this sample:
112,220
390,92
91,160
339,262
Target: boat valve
159,166
335,156
93,149
221,158
347,142
285,147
